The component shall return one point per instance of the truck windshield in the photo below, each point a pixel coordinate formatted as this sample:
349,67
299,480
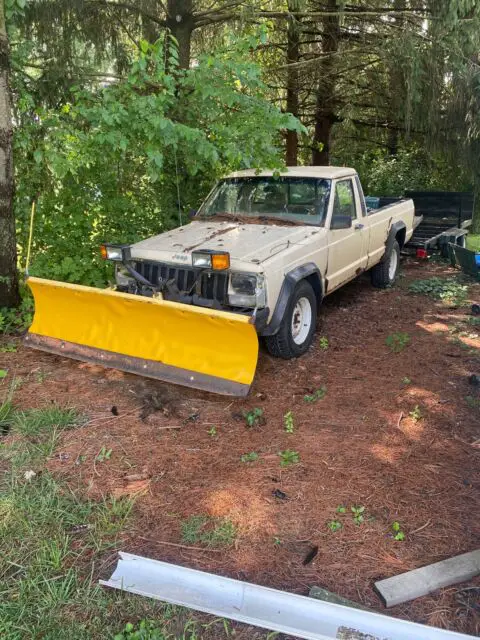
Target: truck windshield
298,200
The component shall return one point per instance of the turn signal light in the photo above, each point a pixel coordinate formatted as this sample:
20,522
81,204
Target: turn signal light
220,261
103,251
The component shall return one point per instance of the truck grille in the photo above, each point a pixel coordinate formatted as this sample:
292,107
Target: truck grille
214,285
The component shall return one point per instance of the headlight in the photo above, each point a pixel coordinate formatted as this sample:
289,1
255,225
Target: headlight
111,252
202,260
217,260
244,283
247,290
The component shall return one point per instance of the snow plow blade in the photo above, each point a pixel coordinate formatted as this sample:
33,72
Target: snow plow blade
196,347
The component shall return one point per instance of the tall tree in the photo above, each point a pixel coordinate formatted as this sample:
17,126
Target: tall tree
325,91
293,89
9,292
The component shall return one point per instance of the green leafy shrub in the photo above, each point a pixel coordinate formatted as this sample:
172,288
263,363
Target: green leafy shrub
449,290
412,168
398,534
416,413
288,422
249,457
358,512
319,394
334,525
397,342
19,319
254,417
323,343
288,457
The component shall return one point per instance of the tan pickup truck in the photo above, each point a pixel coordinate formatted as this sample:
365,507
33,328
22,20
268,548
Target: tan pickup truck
271,247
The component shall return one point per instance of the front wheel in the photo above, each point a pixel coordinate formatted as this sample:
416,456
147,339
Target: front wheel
296,330
385,273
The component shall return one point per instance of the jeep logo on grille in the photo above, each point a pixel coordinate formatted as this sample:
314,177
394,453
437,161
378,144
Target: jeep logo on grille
180,256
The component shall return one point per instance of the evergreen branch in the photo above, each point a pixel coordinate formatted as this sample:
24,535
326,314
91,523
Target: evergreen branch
285,15
217,10
129,7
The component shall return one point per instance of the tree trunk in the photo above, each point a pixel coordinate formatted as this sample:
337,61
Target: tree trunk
180,22
473,150
293,55
151,31
325,99
397,88
9,293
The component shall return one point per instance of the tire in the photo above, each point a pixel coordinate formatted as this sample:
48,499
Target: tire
296,330
385,273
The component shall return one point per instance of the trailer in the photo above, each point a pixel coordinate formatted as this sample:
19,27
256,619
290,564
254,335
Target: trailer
441,218
446,218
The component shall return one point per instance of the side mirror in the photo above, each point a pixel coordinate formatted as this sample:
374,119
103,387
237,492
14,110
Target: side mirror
340,222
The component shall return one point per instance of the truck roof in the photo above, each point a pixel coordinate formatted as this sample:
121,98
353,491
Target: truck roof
299,172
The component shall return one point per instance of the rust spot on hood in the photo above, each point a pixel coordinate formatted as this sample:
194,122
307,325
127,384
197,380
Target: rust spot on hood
220,232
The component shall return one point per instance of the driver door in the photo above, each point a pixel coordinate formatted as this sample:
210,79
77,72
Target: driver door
345,236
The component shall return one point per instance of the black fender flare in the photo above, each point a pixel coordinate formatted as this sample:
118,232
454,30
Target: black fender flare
392,234
308,271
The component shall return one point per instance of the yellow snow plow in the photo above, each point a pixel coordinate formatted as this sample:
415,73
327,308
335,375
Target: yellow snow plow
193,346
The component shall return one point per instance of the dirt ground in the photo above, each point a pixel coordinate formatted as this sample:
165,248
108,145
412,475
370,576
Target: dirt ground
357,446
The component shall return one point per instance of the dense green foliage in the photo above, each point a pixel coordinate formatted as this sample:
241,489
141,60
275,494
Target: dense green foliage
109,164
410,169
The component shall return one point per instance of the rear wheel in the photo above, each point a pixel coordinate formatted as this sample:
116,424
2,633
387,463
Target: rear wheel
385,273
298,325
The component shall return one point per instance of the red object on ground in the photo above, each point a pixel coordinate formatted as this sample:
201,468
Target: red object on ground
422,253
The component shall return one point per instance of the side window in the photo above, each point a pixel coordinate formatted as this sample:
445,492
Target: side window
344,201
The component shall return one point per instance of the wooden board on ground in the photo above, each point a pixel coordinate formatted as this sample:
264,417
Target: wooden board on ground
419,582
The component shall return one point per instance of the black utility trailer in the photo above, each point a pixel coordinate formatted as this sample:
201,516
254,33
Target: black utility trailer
446,216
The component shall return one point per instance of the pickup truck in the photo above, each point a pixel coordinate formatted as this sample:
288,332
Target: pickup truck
271,247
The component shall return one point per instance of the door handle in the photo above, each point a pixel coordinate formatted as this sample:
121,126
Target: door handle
359,226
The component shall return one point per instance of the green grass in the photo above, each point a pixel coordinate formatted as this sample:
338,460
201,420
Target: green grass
53,541
35,422
213,532
46,585
473,242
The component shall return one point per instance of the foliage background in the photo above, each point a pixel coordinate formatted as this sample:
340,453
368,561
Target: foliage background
119,105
